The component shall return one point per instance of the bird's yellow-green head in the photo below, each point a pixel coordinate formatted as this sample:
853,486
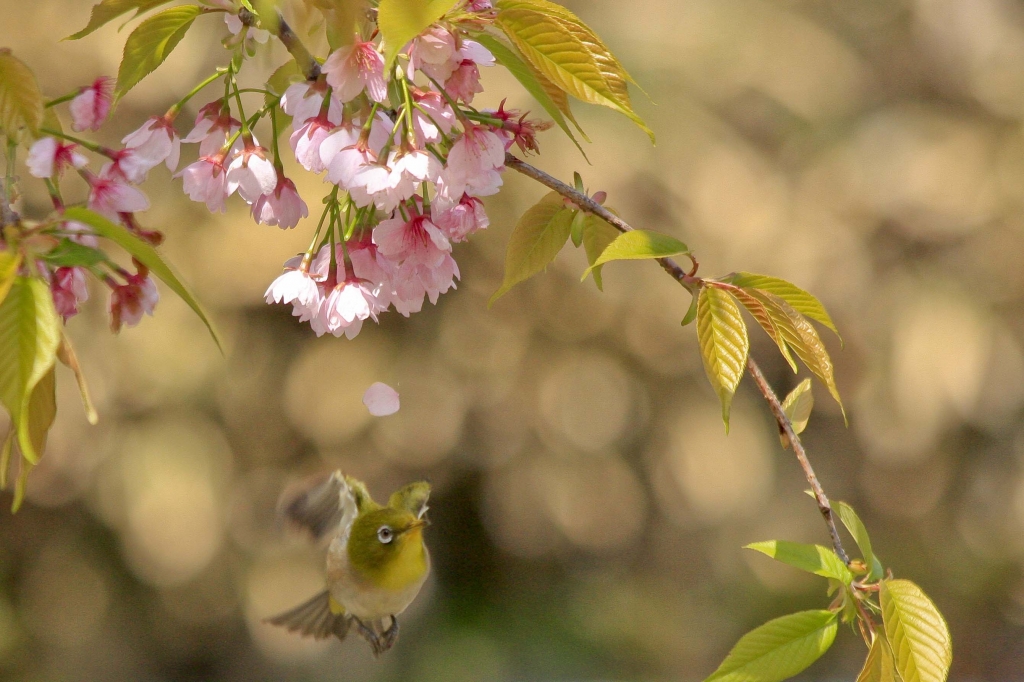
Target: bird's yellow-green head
385,544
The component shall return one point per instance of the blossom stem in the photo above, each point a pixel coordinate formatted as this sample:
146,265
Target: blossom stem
91,146
273,145
175,108
693,283
60,100
7,214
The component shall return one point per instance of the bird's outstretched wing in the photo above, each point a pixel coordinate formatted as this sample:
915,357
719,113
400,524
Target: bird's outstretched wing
326,509
314,618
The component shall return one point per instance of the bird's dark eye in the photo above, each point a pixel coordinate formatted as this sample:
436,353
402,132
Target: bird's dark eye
385,534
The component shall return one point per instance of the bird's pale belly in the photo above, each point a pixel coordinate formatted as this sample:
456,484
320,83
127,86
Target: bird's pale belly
362,598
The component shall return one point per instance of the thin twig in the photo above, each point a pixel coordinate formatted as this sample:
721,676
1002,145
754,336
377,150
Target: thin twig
590,206
798,449
689,281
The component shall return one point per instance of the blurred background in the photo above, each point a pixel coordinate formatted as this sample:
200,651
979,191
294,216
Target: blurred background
589,511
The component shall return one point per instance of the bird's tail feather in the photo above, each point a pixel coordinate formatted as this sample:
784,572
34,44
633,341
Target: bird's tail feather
314,618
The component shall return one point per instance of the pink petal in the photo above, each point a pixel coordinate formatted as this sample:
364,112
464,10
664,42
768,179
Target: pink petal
381,400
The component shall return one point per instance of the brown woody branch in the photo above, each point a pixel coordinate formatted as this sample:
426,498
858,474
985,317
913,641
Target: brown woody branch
690,282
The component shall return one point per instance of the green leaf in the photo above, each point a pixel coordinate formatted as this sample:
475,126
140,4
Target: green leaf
150,44
798,405
723,343
916,631
779,649
145,254
568,54
536,240
811,558
879,666
29,335
756,307
5,456
10,261
804,303
800,335
638,245
579,218
108,10
554,102
691,312
70,254
283,76
402,20
860,535
597,235
21,103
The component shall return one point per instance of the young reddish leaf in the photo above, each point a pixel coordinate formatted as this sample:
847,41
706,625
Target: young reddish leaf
597,235
756,307
554,101
145,254
29,335
879,666
801,336
811,558
108,10
638,245
10,261
21,103
536,240
402,20
150,44
723,343
66,354
566,52
804,303
798,405
779,649
860,535
916,631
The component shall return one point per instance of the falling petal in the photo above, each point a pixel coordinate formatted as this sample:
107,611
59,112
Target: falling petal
381,400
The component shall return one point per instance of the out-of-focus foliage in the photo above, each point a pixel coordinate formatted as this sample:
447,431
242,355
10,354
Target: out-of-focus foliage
588,507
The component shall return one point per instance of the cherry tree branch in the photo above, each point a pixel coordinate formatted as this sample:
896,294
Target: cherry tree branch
691,282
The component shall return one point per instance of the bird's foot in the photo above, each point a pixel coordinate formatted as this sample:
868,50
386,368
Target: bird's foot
371,637
390,635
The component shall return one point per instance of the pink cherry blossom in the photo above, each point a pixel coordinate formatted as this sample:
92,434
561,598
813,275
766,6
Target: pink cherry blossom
431,118
236,26
458,222
251,172
156,141
48,157
80,233
434,53
474,164
295,287
68,289
91,105
129,301
213,126
352,69
206,180
424,252
344,309
303,101
306,141
282,207
381,400
110,194
464,82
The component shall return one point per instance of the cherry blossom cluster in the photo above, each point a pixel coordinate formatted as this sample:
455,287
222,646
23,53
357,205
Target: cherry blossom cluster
408,159
112,193
406,156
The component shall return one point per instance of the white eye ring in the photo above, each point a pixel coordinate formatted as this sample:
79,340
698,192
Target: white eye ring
385,534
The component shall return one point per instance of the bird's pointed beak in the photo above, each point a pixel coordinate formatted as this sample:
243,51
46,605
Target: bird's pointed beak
418,523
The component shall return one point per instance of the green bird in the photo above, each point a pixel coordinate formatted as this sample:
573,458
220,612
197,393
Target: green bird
376,559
